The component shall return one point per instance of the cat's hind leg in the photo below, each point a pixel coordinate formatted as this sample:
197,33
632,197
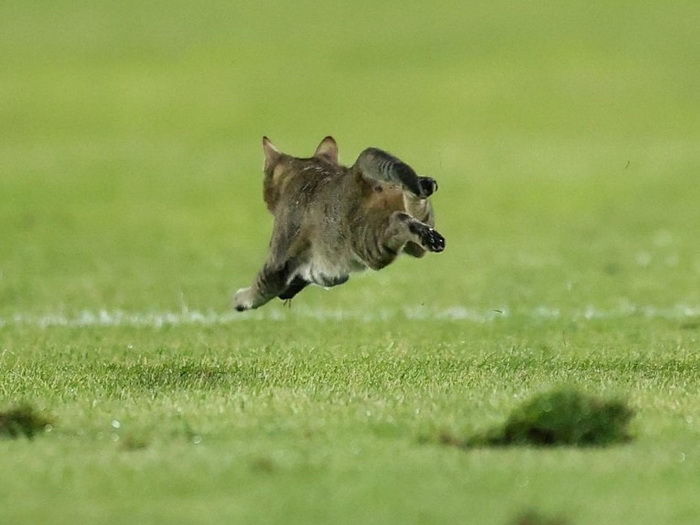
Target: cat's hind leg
380,165
428,186
271,282
293,288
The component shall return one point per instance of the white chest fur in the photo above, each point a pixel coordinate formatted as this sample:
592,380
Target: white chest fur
329,271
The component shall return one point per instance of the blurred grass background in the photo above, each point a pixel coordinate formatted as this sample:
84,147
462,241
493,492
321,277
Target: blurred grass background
565,140
564,137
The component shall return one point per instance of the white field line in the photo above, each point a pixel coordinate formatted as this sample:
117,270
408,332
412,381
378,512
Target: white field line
420,313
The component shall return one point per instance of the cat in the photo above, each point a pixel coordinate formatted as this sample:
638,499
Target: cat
331,220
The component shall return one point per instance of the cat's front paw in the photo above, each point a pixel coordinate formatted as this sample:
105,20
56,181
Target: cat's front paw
432,240
428,186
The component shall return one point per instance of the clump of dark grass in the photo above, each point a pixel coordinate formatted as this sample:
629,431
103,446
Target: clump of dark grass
22,421
535,518
561,417
133,442
263,464
564,416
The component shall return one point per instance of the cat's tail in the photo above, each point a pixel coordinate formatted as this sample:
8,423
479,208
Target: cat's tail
380,165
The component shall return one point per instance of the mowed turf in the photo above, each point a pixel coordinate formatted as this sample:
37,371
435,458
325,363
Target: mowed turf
565,141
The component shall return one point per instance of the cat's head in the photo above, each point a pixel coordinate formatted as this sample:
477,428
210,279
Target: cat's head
326,151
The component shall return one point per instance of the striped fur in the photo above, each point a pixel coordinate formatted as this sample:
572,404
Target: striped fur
331,220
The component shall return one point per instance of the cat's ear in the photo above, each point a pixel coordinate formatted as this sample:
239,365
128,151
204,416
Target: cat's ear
327,150
272,154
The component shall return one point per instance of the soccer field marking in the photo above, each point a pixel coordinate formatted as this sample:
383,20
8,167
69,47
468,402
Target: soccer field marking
157,319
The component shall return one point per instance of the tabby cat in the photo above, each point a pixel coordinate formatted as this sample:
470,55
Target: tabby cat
331,220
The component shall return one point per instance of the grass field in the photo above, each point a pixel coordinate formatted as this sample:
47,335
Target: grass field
565,141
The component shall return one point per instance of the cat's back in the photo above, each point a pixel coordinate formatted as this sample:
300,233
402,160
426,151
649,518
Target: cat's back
312,184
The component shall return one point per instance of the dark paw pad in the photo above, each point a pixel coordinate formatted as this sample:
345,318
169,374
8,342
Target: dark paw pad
428,186
432,240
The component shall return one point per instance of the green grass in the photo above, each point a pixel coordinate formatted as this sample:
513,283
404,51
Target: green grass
564,139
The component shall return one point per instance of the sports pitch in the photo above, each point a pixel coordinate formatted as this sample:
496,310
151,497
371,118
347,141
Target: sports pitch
565,142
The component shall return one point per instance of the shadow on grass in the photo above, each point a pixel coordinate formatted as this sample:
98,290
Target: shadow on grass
561,417
22,421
